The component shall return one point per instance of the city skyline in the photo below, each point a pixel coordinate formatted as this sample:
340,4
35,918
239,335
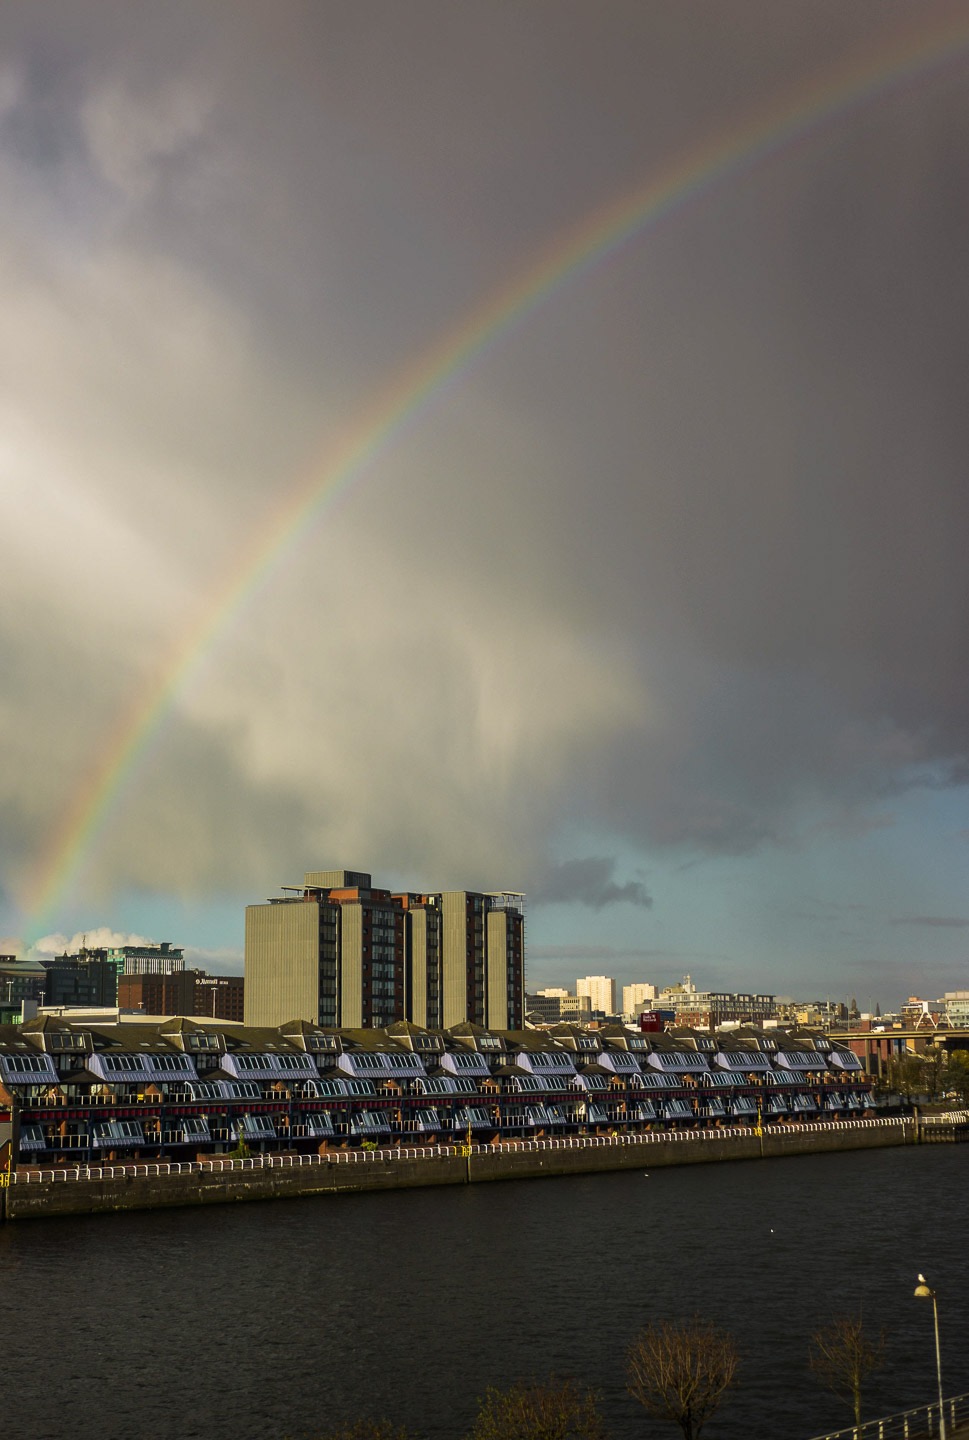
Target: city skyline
562,492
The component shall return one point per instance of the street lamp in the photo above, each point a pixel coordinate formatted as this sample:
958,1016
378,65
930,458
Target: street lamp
924,1291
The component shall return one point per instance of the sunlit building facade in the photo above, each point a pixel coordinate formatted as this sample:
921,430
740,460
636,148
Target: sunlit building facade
339,951
601,992
85,1092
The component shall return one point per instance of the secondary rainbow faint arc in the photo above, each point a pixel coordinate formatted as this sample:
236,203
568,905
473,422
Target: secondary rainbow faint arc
598,236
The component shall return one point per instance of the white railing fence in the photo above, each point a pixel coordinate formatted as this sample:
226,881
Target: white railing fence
908,1424
223,1164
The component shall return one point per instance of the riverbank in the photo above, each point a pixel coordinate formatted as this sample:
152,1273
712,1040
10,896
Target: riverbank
40,1194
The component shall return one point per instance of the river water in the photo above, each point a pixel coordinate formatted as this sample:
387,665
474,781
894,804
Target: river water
274,1320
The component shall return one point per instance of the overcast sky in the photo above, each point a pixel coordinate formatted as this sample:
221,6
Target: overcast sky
657,612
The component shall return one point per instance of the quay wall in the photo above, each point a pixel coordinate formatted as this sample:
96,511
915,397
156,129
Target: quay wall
99,1189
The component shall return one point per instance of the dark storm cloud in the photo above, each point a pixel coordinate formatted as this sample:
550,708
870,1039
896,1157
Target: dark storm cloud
588,882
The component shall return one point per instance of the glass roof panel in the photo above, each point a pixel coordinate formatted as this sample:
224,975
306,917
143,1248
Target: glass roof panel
745,1060
677,1060
799,1060
844,1059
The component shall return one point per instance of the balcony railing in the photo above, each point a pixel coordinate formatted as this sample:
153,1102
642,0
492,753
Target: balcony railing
389,1151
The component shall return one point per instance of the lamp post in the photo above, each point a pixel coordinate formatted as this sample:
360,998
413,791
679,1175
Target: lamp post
924,1291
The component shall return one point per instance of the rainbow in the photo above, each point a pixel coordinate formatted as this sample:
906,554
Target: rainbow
755,139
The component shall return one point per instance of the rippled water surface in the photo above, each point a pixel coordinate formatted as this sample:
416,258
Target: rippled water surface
270,1319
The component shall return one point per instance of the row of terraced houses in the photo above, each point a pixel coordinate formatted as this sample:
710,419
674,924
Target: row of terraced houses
174,1089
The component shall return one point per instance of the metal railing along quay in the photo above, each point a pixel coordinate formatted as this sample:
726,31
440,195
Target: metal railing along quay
222,1164
919,1424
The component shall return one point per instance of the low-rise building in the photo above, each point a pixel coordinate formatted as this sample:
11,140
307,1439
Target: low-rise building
91,1090
554,1005
709,1009
955,1008
185,992
91,975
20,980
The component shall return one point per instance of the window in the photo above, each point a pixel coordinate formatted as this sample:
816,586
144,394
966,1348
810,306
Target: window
28,1064
427,1042
64,1041
203,1042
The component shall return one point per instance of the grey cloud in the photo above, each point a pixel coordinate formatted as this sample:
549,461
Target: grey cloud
587,882
131,134
597,953
944,922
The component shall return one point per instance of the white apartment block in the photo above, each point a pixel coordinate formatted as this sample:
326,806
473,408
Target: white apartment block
636,998
601,991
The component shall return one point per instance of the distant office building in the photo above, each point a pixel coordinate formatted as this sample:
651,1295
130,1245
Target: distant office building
554,1005
161,959
219,997
21,982
709,1009
87,978
90,976
337,951
156,994
636,998
601,991
184,992
544,1007
819,1014
955,1007
576,1009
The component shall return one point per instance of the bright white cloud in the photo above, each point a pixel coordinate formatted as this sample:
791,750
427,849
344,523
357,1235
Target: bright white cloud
101,937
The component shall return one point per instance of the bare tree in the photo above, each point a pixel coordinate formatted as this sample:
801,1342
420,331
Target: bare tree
842,1357
681,1372
367,1430
529,1410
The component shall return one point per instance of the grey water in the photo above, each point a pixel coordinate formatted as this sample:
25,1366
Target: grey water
285,1318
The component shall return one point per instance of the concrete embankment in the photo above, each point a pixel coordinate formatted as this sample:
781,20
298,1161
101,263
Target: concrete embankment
41,1194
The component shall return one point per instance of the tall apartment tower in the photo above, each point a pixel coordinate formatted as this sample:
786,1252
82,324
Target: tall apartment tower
422,959
339,952
601,991
636,998
482,958
332,953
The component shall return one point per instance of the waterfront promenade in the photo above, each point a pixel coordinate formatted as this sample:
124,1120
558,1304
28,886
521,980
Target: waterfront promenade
37,1193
